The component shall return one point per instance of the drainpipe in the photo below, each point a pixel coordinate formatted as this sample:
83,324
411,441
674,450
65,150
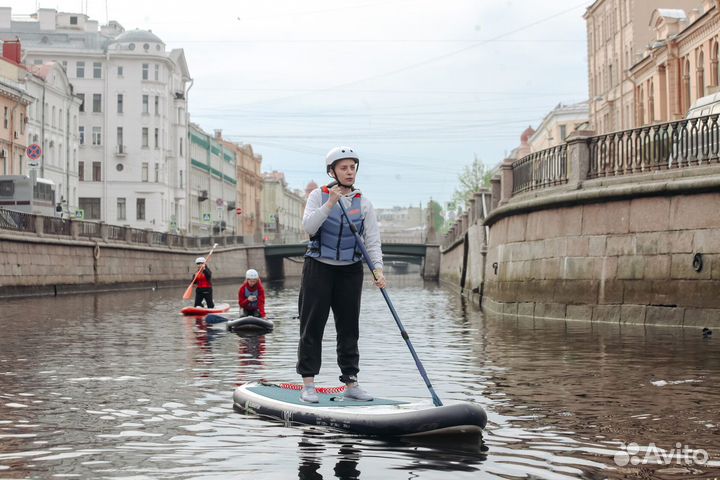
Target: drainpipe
42,132
12,133
186,220
67,152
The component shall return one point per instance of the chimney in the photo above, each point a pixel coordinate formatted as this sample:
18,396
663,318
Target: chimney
218,133
11,51
47,18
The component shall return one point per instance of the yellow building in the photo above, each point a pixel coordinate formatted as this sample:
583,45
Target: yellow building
617,34
681,65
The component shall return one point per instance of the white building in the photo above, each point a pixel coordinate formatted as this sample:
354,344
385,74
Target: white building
558,124
53,124
132,125
212,185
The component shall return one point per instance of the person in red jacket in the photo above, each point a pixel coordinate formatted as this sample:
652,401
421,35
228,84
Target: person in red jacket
251,295
203,282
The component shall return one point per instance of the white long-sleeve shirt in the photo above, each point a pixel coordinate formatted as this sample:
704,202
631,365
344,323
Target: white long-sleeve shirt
316,212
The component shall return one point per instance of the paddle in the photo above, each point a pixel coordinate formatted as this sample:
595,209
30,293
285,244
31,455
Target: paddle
188,293
403,332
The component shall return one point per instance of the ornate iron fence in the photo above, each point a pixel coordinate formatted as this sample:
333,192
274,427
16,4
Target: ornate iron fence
665,146
12,220
542,169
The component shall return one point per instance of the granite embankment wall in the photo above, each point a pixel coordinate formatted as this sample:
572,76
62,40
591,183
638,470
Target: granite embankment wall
51,265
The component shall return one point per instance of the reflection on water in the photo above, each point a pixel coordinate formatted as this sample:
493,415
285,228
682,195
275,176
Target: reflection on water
119,385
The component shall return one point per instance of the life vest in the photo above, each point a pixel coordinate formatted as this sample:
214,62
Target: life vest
202,281
248,293
334,240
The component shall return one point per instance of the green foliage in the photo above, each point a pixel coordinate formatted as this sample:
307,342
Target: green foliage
473,178
437,220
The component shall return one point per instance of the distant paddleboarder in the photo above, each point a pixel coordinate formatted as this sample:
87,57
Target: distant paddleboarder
333,273
203,284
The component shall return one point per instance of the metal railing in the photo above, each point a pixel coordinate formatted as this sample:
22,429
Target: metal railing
665,146
56,226
542,169
90,229
116,232
18,221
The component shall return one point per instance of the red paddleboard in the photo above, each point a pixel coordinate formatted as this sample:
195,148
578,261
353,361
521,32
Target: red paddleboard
219,308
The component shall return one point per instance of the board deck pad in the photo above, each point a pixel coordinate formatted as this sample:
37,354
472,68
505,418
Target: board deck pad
332,397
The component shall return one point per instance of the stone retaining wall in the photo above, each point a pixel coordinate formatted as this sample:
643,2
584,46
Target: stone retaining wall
49,265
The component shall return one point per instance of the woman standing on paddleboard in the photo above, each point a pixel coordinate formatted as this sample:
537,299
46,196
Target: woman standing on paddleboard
333,273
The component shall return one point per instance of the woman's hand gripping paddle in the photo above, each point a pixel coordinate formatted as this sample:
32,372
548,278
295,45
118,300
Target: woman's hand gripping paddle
406,337
188,293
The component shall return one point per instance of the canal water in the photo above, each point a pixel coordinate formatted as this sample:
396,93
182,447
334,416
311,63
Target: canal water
119,385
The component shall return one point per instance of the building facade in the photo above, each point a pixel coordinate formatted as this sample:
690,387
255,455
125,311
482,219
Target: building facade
249,191
53,124
681,65
213,186
283,210
132,122
402,224
617,33
14,102
558,124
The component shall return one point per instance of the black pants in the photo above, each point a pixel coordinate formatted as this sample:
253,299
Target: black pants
250,313
205,293
326,287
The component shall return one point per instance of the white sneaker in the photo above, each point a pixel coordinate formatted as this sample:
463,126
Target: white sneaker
309,395
354,392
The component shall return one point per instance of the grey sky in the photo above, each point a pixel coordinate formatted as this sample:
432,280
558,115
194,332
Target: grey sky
417,86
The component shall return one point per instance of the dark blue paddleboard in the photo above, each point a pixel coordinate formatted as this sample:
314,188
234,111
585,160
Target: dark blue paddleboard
379,417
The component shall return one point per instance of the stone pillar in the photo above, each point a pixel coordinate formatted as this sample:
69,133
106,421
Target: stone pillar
481,196
495,192
472,211
75,230
578,157
148,236
431,263
104,231
506,181
464,223
128,234
39,225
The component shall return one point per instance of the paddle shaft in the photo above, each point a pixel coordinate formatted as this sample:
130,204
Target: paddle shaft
403,332
188,291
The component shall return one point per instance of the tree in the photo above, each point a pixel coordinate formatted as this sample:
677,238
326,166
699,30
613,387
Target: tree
435,214
473,178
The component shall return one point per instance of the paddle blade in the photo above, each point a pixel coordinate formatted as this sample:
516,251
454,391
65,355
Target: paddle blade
188,293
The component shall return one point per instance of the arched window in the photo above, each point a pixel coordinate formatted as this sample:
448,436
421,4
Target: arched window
53,117
700,74
641,106
686,86
651,102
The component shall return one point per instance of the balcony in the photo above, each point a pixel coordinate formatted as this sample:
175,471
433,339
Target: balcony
120,150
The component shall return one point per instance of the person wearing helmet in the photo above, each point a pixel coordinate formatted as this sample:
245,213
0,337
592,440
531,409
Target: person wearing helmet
203,282
332,274
251,295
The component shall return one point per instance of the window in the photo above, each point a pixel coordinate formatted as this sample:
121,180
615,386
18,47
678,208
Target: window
97,70
145,104
91,207
64,65
81,171
81,96
140,209
120,140
60,124
96,135
6,118
37,61
121,209
120,71
563,132
52,117
81,134
73,21
97,102
181,179
157,72
144,172
181,146
145,71
144,137
157,105
120,103
157,172
22,123
80,70
97,172
157,138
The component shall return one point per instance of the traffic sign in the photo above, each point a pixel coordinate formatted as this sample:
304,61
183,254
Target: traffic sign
80,214
205,217
238,211
33,151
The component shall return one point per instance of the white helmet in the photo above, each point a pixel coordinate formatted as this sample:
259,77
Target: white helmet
340,153
251,274
199,260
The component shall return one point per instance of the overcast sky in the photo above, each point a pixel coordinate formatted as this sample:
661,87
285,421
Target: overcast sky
418,87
